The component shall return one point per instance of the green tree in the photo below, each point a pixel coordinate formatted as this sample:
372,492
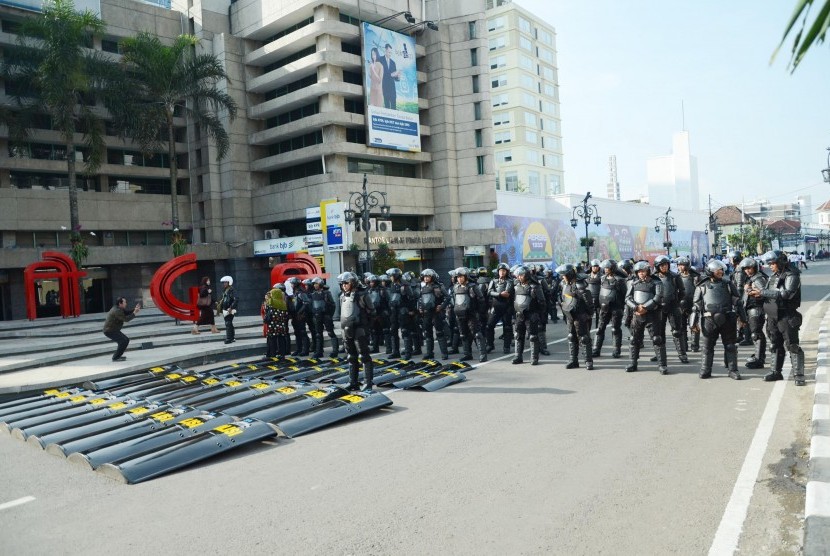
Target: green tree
816,30
162,78
53,70
383,259
753,241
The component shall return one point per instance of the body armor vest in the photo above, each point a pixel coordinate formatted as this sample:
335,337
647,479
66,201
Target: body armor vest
349,309
688,287
643,291
318,302
717,297
570,297
609,291
522,300
759,282
395,295
427,301
594,285
461,298
670,295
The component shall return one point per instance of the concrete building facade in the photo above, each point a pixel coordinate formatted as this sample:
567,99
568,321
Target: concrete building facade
295,71
672,179
524,84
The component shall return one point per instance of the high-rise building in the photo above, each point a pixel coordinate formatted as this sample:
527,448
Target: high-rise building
524,93
298,71
672,179
613,189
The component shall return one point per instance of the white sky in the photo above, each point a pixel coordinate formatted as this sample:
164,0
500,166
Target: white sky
626,65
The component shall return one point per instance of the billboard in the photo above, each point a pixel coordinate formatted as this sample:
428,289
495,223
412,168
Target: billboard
390,81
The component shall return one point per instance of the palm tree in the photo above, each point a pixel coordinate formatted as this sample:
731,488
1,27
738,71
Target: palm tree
163,77
53,69
816,34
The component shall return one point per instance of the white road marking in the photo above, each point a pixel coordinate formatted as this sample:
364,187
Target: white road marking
729,531
18,502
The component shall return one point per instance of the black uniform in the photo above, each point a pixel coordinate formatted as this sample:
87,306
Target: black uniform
755,319
432,306
356,312
782,298
300,310
647,294
715,306
501,310
673,291
322,310
466,299
578,307
380,322
611,301
402,306
689,280
594,280
528,303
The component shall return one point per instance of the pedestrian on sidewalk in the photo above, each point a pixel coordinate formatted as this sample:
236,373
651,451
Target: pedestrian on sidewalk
276,322
228,306
205,304
116,318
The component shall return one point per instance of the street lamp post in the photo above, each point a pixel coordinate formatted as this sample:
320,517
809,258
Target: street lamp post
826,172
668,222
587,213
363,202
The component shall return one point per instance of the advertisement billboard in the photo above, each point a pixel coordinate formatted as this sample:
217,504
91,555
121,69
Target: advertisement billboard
390,81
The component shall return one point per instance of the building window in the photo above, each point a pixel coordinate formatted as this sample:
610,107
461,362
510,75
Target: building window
530,120
504,156
296,143
554,184
498,62
528,82
354,106
545,37
357,135
480,164
379,168
495,23
498,42
288,59
529,101
526,62
477,110
525,43
471,27
524,25
531,137
313,168
502,137
474,57
546,55
532,156
533,182
479,138
498,81
550,108
501,100
501,118
511,181
475,84
548,73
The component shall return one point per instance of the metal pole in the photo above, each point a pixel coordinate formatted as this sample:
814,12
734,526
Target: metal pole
587,243
365,196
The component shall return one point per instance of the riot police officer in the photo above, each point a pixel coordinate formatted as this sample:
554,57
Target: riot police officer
380,301
782,298
300,312
552,281
538,276
356,312
385,281
689,276
528,303
611,300
593,279
673,289
401,315
454,336
482,283
715,314
431,307
466,298
411,278
322,310
643,297
756,279
500,292
739,278
578,307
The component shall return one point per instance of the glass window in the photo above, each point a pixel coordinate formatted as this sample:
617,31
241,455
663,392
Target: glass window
545,37
498,62
528,82
477,110
471,27
548,73
499,81
526,62
532,156
501,118
525,43
554,184
498,42
500,100
479,138
524,25
546,55
495,23
503,137
474,56
529,101
475,84
511,181
530,120
550,90
531,137
550,108
480,164
504,156
533,183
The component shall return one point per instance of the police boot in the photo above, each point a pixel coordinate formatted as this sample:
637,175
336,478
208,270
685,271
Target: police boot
387,341
656,357
746,340
534,350
598,341
707,360
455,341
407,347
797,362
508,340
368,374
617,338
442,345
396,346
354,371
543,342
429,345
663,365
335,347
589,359
573,350
318,347
306,345
775,373
757,360
520,349
681,353
491,340
468,349
695,342
482,347
732,358
634,354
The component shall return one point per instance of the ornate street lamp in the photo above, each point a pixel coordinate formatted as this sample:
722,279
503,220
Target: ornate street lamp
826,172
431,25
406,14
587,213
363,203
668,222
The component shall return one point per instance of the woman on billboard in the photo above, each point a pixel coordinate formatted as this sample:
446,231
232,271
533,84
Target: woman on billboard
375,79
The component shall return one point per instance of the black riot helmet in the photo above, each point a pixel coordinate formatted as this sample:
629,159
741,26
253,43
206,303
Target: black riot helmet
347,277
567,269
683,260
714,265
641,265
748,262
734,257
608,263
394,272
776,256
660,260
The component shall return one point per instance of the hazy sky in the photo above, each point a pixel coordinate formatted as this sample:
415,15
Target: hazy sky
626,65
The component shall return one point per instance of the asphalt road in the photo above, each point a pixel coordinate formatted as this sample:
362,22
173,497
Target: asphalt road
517,460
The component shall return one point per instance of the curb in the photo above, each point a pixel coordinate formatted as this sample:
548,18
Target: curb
817,503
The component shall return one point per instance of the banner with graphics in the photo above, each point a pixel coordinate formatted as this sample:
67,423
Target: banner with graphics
390,81
531,240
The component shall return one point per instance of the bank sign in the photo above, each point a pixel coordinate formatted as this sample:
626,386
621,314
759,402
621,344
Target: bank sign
336,230
286,245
